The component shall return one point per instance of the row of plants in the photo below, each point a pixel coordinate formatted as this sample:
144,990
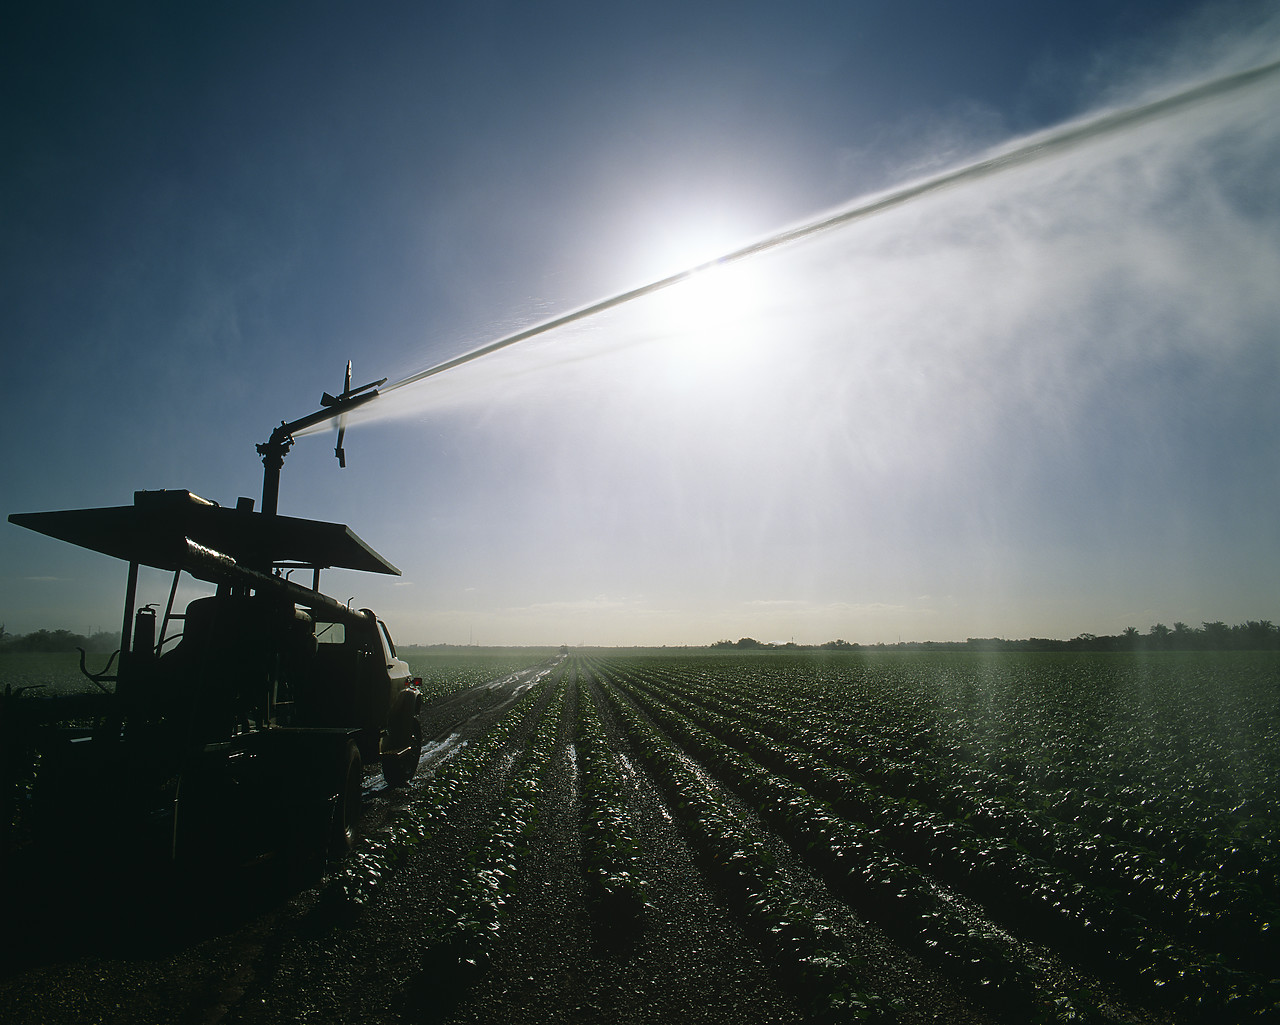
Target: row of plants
484,886
1091,772
478,891
1202,907
1169,748
1219,966
612,856
1196,713
804,946
1012,886
860,869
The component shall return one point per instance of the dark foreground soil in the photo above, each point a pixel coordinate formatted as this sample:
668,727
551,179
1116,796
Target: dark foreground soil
266,949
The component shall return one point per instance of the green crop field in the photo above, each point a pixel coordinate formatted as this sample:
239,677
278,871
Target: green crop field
443,670
1057,836
53,672
1121,811
815,835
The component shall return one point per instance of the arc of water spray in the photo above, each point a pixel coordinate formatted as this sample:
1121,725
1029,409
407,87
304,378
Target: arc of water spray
1037,148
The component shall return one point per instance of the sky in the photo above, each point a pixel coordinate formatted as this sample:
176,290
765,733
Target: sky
1036,402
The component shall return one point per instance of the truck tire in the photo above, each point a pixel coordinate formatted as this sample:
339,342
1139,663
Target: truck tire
346,809
406,740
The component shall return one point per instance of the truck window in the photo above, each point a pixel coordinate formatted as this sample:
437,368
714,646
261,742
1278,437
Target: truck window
331,633
388,648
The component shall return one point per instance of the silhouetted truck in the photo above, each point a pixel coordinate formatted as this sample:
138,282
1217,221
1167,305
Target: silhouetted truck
234,729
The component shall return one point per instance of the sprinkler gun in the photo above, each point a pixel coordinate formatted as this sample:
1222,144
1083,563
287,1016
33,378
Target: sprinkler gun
275,448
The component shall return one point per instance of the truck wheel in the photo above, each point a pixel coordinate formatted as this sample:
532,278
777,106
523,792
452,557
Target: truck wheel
406,739
346,811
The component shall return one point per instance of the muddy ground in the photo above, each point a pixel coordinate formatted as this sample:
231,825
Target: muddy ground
270,950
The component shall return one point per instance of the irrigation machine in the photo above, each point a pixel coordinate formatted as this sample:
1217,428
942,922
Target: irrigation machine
236,729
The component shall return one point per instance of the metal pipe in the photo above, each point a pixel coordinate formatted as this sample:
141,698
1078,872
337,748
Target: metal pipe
168,610
126,630
219,568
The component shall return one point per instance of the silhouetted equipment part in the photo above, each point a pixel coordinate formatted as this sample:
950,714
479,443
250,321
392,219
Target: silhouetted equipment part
275,448
235,730
347,394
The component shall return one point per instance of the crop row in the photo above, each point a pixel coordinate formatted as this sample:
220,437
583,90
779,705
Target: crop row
611,852
870,876
1200,906
804,944
478,891
485,884
1029,893
1203,735
1007,881
1177,755
1162,855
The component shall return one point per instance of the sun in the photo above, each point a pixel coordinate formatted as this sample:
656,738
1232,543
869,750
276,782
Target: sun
709,318
700,326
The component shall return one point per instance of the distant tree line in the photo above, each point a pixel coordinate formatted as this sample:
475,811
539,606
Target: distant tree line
57,640
1254,635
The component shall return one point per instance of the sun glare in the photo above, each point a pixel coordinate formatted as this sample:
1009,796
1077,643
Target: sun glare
709,321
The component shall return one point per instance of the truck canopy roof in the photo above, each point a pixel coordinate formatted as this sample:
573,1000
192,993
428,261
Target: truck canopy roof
154,531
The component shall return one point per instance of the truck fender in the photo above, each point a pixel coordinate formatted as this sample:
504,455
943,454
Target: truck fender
401,742
407,702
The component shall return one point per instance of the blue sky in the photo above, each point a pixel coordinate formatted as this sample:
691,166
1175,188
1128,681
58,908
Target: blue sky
1039,404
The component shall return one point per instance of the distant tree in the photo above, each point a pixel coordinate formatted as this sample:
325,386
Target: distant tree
1216,634
47,641
1255,635
103,640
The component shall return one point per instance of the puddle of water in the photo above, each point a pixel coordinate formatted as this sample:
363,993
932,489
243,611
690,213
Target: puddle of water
522,680
441,750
